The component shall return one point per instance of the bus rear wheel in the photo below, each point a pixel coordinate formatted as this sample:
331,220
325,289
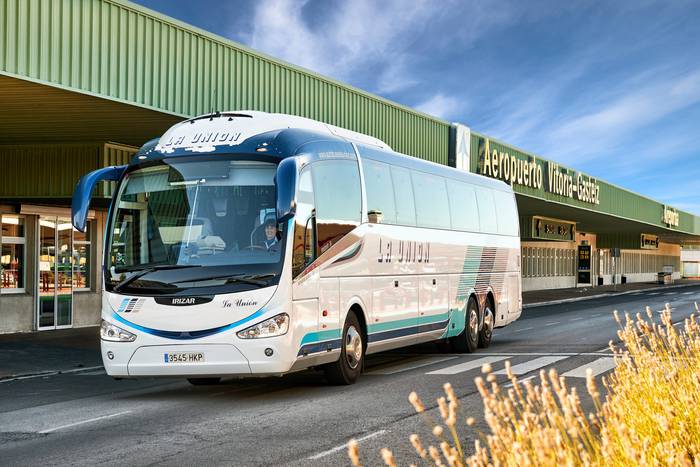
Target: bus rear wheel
203,381
468,340
487,329
352,353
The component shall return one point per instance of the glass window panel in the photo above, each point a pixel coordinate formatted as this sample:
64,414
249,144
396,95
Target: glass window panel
463,209
432,207
12,226
81,258
506,212
82,236
380,191
12,266
338,200
403,196
303,250
487,210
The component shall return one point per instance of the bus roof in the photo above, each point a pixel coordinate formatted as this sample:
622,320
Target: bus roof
280,135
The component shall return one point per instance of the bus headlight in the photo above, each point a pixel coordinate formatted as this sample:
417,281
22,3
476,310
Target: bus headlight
275,326
112,333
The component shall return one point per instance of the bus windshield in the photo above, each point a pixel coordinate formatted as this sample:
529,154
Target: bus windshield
217,214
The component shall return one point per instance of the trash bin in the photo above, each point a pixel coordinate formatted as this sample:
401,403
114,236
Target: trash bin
600,280
623,279
660,277
668,279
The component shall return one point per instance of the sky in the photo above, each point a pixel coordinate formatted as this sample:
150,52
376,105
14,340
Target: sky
608,88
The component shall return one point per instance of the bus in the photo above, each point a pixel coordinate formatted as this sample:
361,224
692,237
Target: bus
255,244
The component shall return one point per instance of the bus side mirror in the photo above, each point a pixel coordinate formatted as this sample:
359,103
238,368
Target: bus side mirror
83,192
286,182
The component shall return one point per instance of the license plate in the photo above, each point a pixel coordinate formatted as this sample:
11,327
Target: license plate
183,357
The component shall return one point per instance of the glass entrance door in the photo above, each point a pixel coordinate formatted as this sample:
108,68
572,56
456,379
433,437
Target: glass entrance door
55,281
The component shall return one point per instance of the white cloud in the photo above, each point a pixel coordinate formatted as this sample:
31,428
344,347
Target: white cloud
360,36
634,109
440,105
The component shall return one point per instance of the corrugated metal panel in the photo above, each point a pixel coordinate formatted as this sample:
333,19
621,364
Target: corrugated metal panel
123,51
51,171
114,154
45,171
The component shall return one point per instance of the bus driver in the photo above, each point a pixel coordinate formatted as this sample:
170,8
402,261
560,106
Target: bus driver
270,242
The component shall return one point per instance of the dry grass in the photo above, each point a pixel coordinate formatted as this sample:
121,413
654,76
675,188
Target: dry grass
650,415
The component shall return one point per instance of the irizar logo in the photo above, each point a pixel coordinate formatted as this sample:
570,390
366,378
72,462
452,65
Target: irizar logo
183,301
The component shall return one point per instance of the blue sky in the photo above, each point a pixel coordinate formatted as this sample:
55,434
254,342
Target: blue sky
610,88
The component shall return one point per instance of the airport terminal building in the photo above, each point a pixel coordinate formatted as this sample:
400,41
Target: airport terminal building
84,83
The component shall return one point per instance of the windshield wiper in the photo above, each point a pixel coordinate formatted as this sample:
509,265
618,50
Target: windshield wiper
254,279
139,274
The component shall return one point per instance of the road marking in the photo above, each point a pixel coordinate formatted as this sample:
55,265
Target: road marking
45,374
466,366
596,315
532,365
604,349
94,373
688,293
345,446
535,354
598,366
389,370
523,329
552,323
510,385
577,319
654,293
91,420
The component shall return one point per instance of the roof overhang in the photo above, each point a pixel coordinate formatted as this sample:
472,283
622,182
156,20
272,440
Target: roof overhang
38,113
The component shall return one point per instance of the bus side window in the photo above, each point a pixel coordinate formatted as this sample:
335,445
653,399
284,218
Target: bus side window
403,196
430,197
379,190
487,210
463,209
338,200
506,213
304,248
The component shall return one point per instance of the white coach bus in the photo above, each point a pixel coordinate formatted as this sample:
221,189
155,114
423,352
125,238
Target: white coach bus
250,244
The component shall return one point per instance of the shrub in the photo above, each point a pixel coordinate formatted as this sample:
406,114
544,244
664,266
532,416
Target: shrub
650,415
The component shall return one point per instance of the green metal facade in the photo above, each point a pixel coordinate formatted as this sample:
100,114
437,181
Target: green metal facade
43,171
122,51
614,200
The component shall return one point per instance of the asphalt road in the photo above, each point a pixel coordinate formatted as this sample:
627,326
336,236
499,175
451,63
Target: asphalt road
85,417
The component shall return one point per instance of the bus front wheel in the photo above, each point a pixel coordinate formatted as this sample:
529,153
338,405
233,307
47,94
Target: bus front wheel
468,340
352,353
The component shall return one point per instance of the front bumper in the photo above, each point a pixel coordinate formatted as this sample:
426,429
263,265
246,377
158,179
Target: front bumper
146,357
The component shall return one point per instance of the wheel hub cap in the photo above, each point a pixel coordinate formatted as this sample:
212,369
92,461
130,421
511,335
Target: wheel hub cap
473,322
353,347
488,320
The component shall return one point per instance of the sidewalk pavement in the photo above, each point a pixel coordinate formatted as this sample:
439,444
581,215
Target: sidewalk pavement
36,353
70,350
555,296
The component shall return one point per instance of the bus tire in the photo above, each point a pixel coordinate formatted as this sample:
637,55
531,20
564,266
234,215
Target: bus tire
352,353
486,331
203,381
468,340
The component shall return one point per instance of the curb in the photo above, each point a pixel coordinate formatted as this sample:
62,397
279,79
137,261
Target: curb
610,294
